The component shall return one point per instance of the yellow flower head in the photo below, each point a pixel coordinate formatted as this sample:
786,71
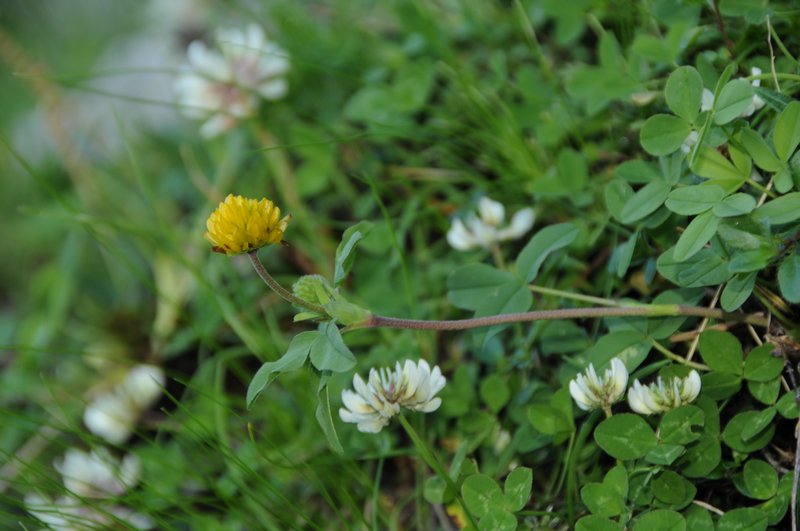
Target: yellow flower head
240,225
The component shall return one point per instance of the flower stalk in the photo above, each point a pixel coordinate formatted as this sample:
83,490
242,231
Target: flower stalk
649,310
642,310
280,290
430,459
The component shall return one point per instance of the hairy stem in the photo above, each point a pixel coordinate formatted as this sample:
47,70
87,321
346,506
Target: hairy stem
654,310
643,310
280,290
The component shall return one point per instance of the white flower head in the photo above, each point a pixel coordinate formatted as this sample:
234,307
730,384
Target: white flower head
485,229
660,397
223,87
113,415
591,392
373,403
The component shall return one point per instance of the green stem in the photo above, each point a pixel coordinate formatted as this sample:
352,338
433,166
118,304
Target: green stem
280,290
761,188
643,310
576,296
572,474
679,359
497,256
652,310
778,75
431,460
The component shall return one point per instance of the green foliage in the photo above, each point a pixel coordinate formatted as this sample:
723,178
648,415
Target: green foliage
544,243
625,436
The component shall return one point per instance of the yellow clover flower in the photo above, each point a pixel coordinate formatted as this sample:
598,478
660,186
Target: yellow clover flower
240,225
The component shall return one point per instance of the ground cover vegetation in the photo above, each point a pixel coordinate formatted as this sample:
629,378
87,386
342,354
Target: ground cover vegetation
522,264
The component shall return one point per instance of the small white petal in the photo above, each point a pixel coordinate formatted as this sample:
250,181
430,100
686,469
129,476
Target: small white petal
143,385
355,403
372,426
491,212
617,375
460,238
273,89
111,417
689,142
485,235
707,100
216,125
636,399
580,397
521,223
691,387
431,405
755,71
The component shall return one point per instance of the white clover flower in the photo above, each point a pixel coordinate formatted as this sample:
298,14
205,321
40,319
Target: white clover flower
375,402
485,229
707,101
223,88
660,397
591,392
113,415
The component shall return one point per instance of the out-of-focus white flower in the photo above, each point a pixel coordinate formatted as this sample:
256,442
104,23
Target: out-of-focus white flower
223,88
707,101
143,386
95,475
113,415
660,397
98,474
485,229
375,402
69,514
591,392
